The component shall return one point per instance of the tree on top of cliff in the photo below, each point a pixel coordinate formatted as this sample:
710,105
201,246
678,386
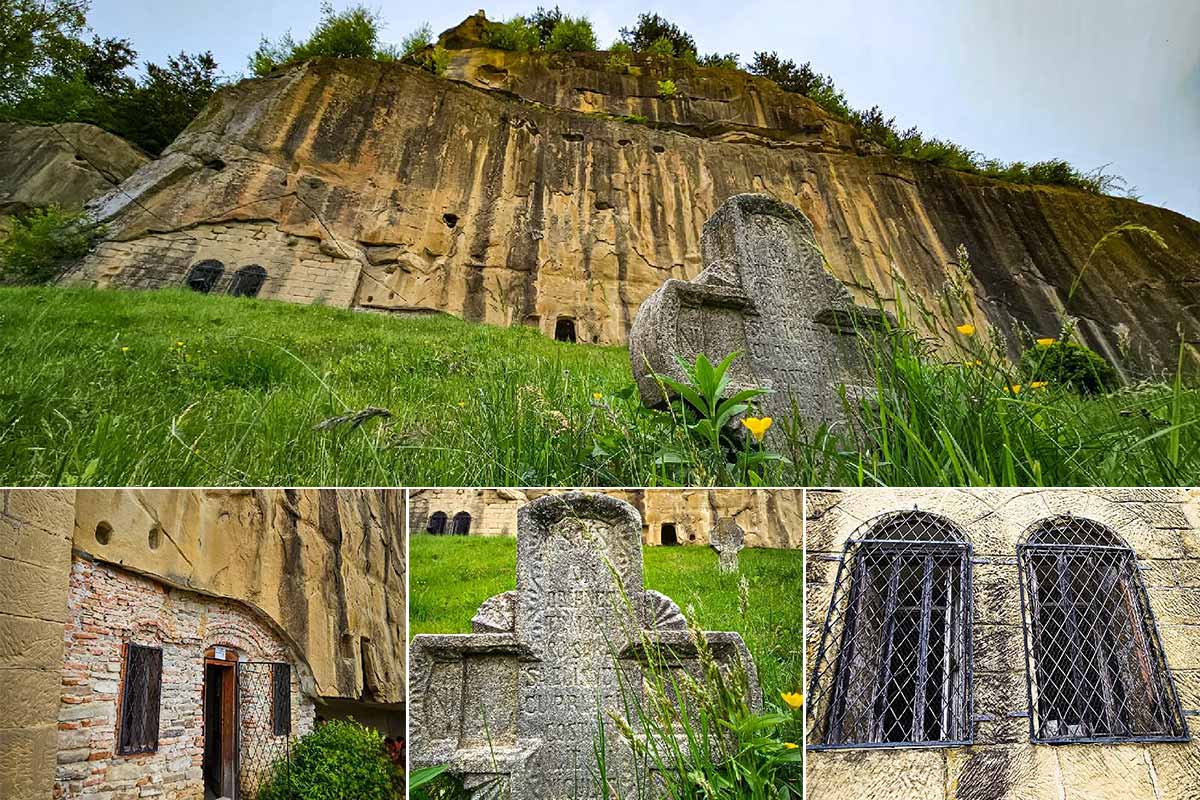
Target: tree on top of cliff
353,33
652,27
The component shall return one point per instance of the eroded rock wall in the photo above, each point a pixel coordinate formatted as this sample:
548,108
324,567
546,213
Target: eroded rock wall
523,189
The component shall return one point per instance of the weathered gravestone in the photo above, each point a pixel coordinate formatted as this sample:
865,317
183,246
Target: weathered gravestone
515,707
765,293
727,539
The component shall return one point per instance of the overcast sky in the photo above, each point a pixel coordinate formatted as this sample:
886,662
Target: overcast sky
1093,81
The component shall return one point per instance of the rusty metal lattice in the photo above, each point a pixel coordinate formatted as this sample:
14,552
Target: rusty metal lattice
261,745
1094,663
141,697
894,664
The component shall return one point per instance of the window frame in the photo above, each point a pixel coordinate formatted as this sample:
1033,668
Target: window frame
151,692
827,684
212,271
281,698
1152,650
253,275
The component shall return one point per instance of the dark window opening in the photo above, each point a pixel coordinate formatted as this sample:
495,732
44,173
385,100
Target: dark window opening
247,281
203,277
564,329
103,533
437,522
141,696
893,666
1095,666
666,534
462,524
281,699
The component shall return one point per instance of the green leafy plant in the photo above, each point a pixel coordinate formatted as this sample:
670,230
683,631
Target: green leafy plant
339,760
40,242
416,41
618,58
667,89
661,47
572,35
655,34
516,34
352,33
1069,364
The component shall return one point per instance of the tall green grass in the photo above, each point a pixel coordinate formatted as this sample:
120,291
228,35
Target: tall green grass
176,388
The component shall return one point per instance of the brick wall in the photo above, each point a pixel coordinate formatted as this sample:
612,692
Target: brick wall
1002,763
107,608
299,269
35,551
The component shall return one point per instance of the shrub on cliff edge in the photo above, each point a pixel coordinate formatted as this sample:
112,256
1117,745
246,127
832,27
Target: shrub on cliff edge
353,33
42,241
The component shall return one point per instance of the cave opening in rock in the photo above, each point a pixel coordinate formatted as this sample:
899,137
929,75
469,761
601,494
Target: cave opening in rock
667,534
451,220
564,330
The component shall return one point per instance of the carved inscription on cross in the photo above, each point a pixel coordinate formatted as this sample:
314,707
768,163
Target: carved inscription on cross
765,293
515,708
728,539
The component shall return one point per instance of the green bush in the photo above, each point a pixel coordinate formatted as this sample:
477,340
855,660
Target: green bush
340,760
353,33
667,89
572,35
419,39
1070,364
650,33
516,34
661,47
42,241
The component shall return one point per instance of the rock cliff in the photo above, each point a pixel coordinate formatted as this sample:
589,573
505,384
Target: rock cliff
553,191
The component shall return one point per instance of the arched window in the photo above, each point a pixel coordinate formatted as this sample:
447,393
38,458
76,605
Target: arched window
203,277
437,523
894,663
462,524
564,329
667,534
1095,667
247,281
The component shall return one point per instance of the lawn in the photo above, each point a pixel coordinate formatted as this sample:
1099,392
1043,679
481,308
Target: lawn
124,388
450,576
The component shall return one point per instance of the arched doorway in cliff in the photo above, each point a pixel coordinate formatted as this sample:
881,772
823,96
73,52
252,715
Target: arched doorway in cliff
219,765
247,281
564,330
667,535
462,524
437,523
203,277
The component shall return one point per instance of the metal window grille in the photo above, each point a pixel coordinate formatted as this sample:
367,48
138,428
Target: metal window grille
281,699
894,664
1094,664
247,281
141,696
203,277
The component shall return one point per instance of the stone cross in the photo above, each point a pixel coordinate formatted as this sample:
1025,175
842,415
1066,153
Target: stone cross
765,293
727,539
515,707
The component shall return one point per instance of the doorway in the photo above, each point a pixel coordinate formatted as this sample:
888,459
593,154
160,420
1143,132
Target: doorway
667,534
220,724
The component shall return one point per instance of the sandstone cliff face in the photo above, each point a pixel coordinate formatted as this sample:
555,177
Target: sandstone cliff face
326,567
514,191
66,164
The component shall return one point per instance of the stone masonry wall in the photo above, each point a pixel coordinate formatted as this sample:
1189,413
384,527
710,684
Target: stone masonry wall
110,607
299,269
769,518
1003,764
35,553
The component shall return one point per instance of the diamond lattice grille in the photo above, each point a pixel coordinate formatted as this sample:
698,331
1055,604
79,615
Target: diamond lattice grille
1095,664
893,666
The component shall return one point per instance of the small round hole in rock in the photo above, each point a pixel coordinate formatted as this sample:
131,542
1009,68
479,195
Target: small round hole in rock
103,533
216,165
155,537
658,148
451,220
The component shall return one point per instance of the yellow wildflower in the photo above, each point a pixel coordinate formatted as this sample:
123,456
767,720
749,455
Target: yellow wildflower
757,426
1038,384
1045,342
966,329
794,699
179,344
462,404
790,745
597,395
124,349
1015,388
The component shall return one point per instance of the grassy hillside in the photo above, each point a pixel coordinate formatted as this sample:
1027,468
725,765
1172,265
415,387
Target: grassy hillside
175,388
451,575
